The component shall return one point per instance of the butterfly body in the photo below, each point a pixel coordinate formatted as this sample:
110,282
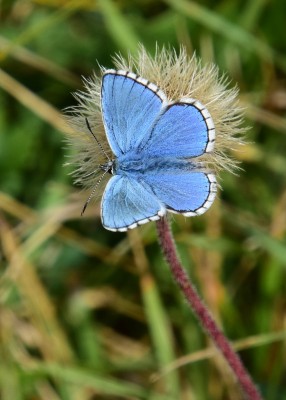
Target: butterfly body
143,164
155,143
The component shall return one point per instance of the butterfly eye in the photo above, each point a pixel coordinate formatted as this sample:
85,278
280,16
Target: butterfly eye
108,167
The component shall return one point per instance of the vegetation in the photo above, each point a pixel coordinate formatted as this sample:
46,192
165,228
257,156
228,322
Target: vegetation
90,314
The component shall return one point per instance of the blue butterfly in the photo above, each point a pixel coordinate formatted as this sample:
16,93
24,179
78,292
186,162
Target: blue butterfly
155,143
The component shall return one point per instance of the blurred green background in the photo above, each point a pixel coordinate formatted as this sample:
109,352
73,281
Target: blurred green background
90,314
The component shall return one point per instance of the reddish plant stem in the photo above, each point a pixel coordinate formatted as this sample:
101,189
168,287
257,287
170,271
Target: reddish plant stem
202,313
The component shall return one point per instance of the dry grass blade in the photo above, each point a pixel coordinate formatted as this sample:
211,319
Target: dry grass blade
21,273
40,63
251,341
33,102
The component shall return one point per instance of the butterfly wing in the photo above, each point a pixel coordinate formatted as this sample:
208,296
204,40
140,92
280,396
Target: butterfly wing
137,117
183,129
186,192
127,202
130,105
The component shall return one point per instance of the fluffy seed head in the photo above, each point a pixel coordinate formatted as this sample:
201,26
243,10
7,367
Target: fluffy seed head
178,76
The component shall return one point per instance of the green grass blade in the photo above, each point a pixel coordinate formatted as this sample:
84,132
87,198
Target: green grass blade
160,332
118,26
273,246
234,33
86,378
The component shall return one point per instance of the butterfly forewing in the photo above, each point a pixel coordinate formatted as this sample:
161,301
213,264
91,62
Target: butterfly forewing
183,130
130,106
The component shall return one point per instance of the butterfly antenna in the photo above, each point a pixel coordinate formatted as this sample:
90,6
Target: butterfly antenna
97,141
92,193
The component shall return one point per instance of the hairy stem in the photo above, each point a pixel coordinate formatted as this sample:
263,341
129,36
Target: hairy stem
201,312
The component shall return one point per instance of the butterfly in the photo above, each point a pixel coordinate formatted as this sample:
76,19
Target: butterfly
155,142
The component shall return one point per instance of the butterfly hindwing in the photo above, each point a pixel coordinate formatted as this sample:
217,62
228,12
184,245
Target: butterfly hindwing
127,202
184,129
188,193
130,105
